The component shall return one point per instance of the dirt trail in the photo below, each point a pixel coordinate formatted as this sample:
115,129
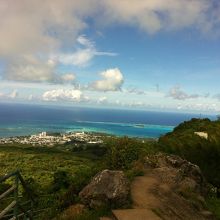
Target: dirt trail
144,200
156,192
141,192
172,189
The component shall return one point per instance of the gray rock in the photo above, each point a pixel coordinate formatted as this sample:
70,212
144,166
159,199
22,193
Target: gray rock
109,188
181,173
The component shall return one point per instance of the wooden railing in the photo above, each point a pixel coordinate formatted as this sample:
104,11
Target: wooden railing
16,209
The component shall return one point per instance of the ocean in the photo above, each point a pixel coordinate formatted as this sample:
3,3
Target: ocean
22,120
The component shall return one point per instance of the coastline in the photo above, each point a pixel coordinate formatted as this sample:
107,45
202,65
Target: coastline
52,139
106,128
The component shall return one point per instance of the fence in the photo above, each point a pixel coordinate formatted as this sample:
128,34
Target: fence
17,209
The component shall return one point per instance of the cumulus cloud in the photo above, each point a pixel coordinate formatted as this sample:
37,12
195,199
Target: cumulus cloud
40,28
64,95
177,93
112,81
43,25
29,68
153,16
46,27
34,69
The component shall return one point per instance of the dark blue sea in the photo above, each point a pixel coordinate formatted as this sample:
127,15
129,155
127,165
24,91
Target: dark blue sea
21,119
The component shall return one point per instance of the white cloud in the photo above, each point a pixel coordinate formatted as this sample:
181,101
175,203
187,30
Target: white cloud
64,95
153,16
40,26
69,77
177,93
29,69
112,81
12,95
134,90
79,58
85,41
84,54
102,100
30,97
46,27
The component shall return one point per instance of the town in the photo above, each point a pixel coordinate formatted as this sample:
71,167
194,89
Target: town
45,139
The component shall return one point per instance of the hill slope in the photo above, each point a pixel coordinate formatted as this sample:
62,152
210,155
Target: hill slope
204,152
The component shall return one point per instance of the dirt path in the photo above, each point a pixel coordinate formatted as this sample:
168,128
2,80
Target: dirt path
144,201
154,192
167,191
141,192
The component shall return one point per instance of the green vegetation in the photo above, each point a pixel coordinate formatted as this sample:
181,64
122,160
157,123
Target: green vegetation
40,163
54,176
203,152
213,204
57,174
122,152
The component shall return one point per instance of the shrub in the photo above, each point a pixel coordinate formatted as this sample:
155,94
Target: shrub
205,153
122,152
61,180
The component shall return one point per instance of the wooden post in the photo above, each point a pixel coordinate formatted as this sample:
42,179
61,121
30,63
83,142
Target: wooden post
16,197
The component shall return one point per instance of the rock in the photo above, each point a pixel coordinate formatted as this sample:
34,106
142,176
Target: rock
176,186
174,161
181,173
109,188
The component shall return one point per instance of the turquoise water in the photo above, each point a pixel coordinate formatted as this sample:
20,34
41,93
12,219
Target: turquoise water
20,120
119,129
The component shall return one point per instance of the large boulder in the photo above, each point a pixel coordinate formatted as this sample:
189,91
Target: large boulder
178,187
109,188
180,174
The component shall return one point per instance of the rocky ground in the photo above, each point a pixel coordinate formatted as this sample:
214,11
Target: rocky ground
170,189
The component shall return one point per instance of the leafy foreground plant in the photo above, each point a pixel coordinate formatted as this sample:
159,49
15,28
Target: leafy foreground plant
122,152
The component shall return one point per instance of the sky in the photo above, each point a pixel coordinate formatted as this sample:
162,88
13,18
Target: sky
161,55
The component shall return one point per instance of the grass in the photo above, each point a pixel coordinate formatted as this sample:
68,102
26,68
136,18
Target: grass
56,174
40,163
213,203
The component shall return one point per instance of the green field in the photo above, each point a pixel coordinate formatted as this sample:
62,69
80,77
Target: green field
50,173
40,163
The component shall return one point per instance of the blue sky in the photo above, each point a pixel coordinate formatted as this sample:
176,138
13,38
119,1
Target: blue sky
161,55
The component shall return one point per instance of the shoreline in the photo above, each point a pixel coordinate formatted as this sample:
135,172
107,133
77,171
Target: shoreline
57,138
84,131
133,130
